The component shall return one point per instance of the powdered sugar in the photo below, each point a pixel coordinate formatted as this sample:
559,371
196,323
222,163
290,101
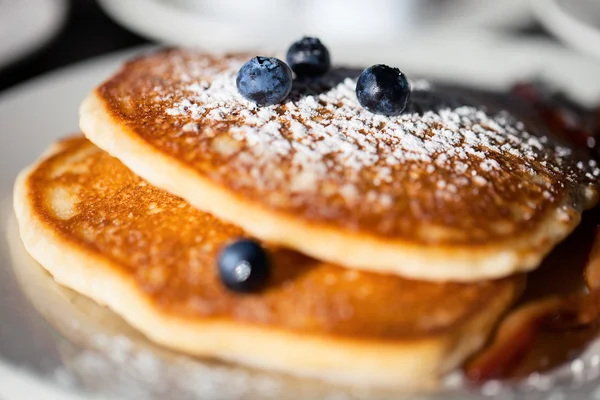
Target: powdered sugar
316,125
297,156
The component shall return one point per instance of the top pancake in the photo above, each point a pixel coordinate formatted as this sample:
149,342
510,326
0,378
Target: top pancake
447,190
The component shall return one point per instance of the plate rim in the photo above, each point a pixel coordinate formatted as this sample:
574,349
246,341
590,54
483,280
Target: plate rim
50,27
567,27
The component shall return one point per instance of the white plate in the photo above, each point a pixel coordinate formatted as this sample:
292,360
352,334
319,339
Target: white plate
79,345
241,24
576,22
27,25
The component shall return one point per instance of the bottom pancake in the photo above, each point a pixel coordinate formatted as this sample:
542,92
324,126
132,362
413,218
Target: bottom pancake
149,256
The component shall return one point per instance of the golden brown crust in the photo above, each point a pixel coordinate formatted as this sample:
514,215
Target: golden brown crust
158,97
504,224
169,249
100,230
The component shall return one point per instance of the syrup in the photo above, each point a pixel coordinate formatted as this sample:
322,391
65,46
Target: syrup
556,320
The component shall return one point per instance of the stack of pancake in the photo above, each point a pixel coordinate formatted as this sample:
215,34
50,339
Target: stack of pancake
396,243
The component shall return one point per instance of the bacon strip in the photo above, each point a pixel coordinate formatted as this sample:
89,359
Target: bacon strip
518,332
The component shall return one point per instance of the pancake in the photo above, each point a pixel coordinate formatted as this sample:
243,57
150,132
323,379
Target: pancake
150,256
446,191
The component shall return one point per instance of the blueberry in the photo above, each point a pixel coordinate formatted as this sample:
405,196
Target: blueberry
308,57
264,81
383,90
243,266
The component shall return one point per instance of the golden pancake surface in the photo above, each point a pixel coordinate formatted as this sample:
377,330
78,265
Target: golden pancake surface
450,191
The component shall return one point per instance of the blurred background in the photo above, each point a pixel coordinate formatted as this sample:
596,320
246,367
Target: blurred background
481,42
